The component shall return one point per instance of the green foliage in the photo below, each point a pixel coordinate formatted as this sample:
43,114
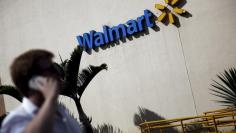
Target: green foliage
226,88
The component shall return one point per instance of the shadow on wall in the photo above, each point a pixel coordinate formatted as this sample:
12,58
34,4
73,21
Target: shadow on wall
148,115
181,4
106,128
103,128
198,128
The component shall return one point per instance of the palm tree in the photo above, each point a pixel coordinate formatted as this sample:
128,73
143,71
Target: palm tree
75,82
226,88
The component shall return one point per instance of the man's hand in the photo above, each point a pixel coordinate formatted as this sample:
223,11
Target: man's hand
43,121
49,88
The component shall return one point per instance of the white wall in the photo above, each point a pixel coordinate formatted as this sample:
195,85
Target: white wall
156,71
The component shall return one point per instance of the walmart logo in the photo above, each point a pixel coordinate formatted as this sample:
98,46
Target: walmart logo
132,27
169,10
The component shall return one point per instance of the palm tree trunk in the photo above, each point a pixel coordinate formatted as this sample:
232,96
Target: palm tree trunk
83,117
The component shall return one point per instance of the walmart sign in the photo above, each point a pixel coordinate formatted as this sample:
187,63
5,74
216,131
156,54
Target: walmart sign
95,39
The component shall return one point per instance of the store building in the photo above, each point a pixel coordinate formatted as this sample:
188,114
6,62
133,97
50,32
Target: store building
167,70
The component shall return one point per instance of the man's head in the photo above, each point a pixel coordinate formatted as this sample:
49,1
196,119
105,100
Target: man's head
29,64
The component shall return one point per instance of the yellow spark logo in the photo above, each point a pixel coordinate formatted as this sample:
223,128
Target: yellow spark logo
168,10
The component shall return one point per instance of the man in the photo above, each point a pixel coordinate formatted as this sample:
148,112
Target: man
36,77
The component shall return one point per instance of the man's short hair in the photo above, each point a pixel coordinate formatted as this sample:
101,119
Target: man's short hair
27,65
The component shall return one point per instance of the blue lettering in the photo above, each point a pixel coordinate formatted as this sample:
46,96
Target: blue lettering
118,31
98,39
95,39
105,33
148,16
86,40
140,23
132,27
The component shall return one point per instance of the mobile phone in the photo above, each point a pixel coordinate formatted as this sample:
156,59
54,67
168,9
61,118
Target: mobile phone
36,82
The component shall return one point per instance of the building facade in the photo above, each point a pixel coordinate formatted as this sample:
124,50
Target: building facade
167,70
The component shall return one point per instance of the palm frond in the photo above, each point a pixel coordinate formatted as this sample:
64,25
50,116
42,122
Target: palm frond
225,98
72,70
63,63
221,87
226,87
86,76
11,91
